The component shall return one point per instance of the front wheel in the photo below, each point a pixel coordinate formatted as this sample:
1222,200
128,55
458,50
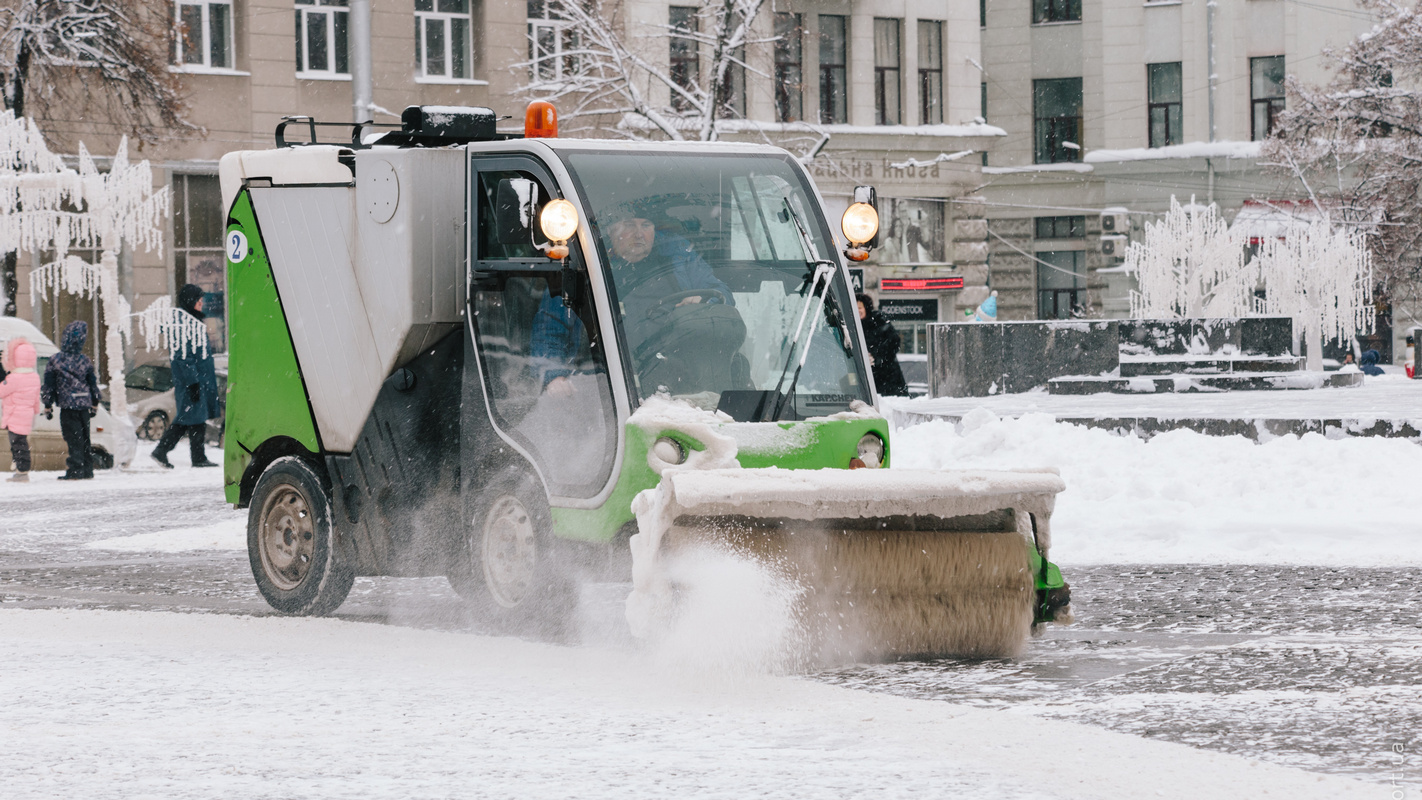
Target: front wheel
507,566
291,541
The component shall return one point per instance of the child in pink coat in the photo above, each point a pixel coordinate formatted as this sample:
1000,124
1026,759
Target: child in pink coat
19,402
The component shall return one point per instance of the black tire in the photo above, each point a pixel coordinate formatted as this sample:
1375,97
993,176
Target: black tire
508,566
299,565
154,426
102,459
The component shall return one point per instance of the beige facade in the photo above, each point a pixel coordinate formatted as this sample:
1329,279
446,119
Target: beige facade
1118,164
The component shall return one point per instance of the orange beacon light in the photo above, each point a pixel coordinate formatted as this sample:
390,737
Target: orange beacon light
540,121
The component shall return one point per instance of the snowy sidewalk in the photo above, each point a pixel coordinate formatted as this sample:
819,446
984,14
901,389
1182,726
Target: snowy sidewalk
132,704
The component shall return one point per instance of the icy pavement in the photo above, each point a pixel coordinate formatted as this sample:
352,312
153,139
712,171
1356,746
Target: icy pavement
1289,665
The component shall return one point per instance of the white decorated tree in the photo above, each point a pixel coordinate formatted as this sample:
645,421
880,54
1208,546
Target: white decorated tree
47,207
1190,264
1321,276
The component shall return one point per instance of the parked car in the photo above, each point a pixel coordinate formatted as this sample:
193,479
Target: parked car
915,367
112,443
153,405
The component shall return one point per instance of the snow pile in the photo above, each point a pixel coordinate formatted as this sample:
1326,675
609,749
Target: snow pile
228,535
1186,150
661,414
1184,497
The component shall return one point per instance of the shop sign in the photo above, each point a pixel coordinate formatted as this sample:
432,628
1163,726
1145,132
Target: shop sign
856,280
903,310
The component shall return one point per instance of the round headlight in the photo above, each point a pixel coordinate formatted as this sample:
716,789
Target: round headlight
859,223
559,220
871,450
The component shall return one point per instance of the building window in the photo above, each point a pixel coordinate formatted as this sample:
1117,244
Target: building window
321,27
834,53
203,34
982,13
789,68
443,39
1061,227
1061,284
1163,87
888,110
1056,11
551,42
1056,106
930,72
685,68
199,222
1266,93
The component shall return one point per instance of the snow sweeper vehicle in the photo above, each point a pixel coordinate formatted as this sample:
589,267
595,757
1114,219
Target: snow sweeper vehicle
520,361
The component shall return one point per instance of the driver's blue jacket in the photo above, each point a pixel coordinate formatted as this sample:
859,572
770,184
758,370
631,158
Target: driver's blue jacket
557,331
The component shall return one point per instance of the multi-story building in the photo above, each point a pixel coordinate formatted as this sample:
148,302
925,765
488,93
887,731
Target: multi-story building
1109,112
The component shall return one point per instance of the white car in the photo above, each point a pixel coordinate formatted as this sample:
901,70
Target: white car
113,440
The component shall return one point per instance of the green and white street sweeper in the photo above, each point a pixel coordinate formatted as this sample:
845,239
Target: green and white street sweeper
460,352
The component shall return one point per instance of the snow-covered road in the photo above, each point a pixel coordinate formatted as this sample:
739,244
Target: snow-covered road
106,693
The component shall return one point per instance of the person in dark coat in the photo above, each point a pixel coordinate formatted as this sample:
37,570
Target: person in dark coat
883,343
1369,362
194,391
69,382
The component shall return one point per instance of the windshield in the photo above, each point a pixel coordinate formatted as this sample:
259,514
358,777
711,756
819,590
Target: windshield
713,277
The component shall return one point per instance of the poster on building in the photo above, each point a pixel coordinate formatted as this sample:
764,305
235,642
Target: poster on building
910,232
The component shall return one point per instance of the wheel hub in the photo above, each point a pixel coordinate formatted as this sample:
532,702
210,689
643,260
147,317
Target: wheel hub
509,552
287,540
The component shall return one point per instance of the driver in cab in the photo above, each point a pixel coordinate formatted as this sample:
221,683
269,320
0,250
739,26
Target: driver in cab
681,326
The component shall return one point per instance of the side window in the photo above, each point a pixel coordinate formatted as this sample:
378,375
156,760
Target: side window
543,357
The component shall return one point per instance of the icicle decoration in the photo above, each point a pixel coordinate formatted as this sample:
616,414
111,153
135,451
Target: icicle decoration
122,203
1190,265
1323,279
161,325
71,274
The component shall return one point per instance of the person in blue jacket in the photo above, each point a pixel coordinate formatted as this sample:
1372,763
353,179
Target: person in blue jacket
194,391
679,318
1369,362
69,382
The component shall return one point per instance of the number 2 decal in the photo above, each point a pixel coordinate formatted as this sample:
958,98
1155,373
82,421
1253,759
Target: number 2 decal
236,247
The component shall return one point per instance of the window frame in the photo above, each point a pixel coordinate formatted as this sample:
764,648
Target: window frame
1052,227
930,79
1269,105
1075,294
888,73
554,65
834,74
1052,12
336,36
178,41
447,21
1173,123
1049,127
789,66
186,247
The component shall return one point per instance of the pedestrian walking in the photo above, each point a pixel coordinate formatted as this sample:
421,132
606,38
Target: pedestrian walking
194,391
20,393
883,343
70,383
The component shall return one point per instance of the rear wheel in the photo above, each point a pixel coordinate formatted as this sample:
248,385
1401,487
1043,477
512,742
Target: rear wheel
299,565
508,567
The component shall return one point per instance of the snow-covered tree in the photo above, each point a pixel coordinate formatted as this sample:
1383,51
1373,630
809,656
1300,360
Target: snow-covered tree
1321,276
1189,264
611,70
47,207
1355,144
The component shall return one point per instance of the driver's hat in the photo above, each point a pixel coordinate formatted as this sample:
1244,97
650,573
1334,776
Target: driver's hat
641,208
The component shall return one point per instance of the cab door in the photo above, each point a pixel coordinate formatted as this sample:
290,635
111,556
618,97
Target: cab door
540,349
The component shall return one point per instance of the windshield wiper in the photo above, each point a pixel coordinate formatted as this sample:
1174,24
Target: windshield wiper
823,272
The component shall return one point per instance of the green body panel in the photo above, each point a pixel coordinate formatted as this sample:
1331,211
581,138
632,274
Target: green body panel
265,395
819,445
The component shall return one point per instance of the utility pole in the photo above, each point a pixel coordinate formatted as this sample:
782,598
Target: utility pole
1210,6
362,89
